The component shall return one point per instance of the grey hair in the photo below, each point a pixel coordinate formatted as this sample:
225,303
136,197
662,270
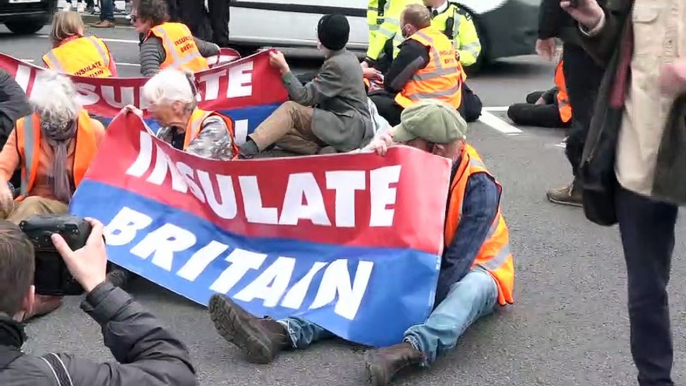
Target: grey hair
55,99
169,86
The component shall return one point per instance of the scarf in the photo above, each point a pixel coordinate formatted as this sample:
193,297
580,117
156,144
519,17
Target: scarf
11,332
620,85
59,136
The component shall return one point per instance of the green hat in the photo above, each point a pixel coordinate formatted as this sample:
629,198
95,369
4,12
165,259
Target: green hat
431,120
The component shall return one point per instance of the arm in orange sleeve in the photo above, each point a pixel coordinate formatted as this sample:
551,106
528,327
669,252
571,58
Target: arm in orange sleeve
9,157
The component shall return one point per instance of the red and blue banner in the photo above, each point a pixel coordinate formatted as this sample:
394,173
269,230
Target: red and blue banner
351,242
247,89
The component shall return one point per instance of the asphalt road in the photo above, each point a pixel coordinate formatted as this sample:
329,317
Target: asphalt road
568,327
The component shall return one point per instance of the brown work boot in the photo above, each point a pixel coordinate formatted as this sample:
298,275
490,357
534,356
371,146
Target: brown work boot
103,24
383,364
260,339
566,195
44,305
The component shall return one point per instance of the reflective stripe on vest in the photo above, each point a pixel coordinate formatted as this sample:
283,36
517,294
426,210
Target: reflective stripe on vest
86,56
29,145
563,105
170,34
495,254
440,79
195,125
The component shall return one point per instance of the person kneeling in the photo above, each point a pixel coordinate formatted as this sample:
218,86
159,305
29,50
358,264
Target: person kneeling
54,148
172,95
477,268
341,120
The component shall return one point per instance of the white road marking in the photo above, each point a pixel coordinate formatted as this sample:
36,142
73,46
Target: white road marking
496,108
128,64
27,60
498,124
108,40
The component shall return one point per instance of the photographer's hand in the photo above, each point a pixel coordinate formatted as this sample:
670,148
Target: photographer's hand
87,264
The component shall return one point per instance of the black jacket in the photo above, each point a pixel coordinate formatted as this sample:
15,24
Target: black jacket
13,104
554,22
148,354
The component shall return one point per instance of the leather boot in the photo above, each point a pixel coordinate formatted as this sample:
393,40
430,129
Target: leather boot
260,339
383,364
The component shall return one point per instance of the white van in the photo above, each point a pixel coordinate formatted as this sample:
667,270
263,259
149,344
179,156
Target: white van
506,27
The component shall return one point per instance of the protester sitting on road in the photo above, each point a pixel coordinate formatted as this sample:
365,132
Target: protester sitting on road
339,122
545,108
147,352
477,269
172,96
14,104
54,148
75,54
167,44
426,68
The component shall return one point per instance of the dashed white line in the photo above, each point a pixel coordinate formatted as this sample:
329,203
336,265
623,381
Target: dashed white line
496,108
498,124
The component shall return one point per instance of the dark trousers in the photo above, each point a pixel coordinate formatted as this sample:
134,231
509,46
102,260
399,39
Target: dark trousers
647,230
219,21
531,114
194,15
387,107
582,78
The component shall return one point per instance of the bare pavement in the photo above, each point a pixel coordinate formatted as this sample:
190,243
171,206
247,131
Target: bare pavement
569,325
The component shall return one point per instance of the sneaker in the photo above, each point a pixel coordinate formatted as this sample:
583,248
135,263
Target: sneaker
90,9
103,24
566,195
80,7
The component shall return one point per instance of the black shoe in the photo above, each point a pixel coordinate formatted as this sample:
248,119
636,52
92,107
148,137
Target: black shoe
260,339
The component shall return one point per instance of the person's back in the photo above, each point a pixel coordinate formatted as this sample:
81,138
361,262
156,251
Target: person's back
148,354
84,56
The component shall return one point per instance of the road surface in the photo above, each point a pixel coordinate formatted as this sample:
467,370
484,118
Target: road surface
568,327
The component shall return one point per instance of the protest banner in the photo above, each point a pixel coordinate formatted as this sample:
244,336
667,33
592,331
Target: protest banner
351,242
247,90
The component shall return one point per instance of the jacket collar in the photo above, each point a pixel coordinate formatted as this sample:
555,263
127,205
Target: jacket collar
11,332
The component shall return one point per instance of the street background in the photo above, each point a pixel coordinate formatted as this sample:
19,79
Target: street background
569,324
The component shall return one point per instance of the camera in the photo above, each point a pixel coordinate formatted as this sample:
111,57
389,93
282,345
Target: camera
52,277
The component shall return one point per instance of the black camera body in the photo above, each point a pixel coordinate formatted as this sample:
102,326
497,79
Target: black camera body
52,276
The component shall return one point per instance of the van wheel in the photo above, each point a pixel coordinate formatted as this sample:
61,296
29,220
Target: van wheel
25,27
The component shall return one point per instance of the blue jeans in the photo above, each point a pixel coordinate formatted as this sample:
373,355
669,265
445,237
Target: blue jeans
474,296
107,10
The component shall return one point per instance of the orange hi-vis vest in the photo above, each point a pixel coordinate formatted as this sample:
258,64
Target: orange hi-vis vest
441,78
562,96
494,255
29,148
85,56
194,127
180,50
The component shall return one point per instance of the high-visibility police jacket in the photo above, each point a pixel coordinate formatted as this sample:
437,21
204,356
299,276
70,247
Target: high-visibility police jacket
29,147
373,18
459,27
180,50
389,29
84,56
562,97
441,77
495,255
194,127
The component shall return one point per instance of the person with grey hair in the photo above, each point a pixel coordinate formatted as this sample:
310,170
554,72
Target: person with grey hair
172,98
54,147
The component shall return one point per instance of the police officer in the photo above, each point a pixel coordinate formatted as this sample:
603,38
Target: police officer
384,40
458,26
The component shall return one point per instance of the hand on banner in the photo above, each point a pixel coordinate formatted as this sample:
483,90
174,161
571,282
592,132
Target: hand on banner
132,109
278,61
87,264
6,197
381,144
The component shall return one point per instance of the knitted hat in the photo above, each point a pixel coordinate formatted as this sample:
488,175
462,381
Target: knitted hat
333,31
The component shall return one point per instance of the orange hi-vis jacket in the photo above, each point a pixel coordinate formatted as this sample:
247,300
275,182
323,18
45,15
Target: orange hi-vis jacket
194,127
441,78
180,49
85,56
29,148
495,255
562,96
